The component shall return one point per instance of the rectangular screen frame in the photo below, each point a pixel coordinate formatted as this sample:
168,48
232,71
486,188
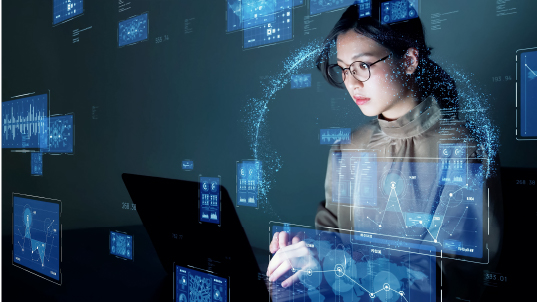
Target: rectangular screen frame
23,267
518,127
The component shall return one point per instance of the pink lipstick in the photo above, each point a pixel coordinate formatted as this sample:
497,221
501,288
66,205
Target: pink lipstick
359,100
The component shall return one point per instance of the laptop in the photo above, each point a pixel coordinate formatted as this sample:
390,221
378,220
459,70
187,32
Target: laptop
170,212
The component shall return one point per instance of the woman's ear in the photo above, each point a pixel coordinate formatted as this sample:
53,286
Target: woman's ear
411,60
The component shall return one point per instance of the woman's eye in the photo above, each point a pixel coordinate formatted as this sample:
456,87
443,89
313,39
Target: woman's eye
363,66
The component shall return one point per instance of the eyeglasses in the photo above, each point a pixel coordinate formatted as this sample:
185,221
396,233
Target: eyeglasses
359,70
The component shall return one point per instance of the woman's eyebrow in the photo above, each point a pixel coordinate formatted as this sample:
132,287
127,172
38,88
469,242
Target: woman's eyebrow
356,56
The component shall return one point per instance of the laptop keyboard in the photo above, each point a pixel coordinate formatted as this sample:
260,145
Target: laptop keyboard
278,293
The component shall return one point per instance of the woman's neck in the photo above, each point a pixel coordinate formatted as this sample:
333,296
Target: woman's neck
402,107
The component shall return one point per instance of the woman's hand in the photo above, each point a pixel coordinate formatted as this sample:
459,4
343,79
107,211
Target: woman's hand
296,256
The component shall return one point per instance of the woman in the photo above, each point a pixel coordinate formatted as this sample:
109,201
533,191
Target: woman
388,73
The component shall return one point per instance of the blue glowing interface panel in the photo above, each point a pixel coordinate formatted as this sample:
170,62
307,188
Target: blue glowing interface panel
37,163
332,136
133,30
61,134
121,245
256,12
298,2
399,10
280,29
528,94
334,272
452,167
66,9
321,6
430,202
193,285
248,178
36,236
234,15
364,8
348,189
187,165
300,81
24,122
210,199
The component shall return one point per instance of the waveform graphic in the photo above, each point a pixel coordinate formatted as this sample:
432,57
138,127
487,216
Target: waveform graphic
23,122
331,136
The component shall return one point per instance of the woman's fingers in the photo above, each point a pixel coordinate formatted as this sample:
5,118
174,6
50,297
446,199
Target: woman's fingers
289,254
283,267
274,247
292,279
284,239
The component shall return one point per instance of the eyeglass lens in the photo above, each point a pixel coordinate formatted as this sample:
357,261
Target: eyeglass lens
359,70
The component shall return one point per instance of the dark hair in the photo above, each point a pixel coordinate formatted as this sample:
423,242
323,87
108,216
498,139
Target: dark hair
429,77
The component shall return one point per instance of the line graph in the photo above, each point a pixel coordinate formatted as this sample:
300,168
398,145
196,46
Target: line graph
528,94
36,235
429,202
24,122
339,269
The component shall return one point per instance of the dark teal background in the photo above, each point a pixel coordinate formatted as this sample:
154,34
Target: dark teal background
185,98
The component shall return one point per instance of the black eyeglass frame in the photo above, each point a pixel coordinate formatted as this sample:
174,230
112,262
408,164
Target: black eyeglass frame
349,68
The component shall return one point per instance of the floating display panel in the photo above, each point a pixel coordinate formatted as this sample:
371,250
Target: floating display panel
121,245
24,122
346,189
299,81
133,30
187,165
527,94
452,167
248,178
335,136
321,6
279,30
209,200
61,134
37,163
234,15
197,285
332,272
399,10
257,12
37,236
64,10
410,199
364,8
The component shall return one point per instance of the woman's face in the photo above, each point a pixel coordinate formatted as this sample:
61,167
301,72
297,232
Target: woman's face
385,91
